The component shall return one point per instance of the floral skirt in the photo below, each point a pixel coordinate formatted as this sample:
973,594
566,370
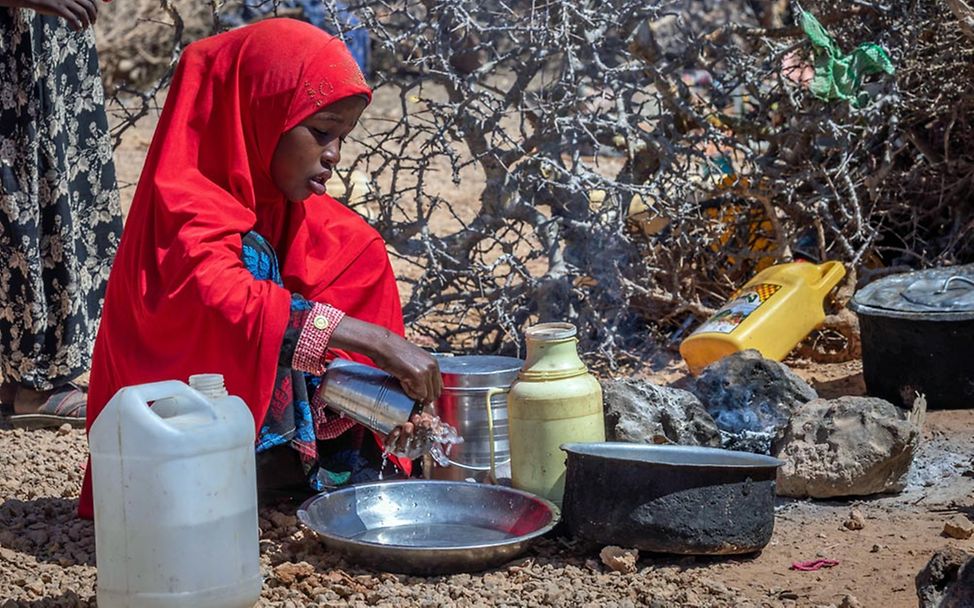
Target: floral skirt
60,220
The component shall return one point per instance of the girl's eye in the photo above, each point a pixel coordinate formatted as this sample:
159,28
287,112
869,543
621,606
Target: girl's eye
323,137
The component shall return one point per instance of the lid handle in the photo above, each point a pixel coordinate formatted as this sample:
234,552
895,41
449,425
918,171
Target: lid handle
947,283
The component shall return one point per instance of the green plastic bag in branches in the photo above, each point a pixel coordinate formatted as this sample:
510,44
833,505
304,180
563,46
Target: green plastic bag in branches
837,75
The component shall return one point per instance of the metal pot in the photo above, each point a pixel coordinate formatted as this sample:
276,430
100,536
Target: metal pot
916,332
669,499
474,401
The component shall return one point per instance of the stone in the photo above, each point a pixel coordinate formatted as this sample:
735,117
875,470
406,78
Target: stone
850,446
619,560
288,572
746,393
850,601
947,581
959,527
856,520
638,411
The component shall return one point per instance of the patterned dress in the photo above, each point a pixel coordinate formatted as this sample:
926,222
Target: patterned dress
60,220
300,442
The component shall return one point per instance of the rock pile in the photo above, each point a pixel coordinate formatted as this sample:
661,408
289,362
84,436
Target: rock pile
947,581
751,399
850,446
637,411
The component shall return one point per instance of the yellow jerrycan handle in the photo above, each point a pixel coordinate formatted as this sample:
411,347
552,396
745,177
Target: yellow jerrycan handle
830,275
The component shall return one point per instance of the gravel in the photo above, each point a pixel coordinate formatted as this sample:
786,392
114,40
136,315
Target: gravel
47,555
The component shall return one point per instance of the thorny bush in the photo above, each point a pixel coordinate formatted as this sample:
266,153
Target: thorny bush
639,160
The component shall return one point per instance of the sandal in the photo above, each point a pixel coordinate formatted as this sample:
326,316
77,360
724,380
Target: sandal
67,404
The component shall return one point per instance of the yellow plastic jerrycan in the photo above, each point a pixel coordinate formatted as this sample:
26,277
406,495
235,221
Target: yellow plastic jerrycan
554,400
772,313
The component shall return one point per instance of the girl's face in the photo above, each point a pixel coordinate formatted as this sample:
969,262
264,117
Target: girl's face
307,154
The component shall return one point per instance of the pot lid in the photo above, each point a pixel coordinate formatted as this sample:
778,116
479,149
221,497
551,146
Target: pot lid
937,293
479,371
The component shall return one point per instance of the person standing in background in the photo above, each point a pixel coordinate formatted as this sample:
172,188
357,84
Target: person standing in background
60,219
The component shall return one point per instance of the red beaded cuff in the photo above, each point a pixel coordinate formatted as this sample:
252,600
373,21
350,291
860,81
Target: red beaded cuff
309,353
328,425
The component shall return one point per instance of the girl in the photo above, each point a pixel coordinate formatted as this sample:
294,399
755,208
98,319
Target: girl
235,261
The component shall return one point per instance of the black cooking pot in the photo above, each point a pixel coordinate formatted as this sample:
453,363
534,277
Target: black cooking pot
916,331
669,499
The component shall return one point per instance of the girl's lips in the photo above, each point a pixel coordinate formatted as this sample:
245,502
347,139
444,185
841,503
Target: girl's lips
317,185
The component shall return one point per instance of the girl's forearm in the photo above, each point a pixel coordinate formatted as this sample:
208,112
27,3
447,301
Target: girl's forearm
358,337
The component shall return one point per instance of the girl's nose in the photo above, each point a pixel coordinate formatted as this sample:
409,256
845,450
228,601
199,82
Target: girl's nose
332,152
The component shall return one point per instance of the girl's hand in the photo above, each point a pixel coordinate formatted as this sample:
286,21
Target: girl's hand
78,13
398,440
417,370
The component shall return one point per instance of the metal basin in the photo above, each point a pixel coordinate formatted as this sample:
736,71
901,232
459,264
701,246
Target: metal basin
428,527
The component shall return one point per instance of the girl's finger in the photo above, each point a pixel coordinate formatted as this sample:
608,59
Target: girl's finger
91,9
437,385
409,389
422,390
407,432
80,16
429,389
390,443
65,12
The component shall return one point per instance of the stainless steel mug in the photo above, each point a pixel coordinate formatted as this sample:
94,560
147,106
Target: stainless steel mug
474,401
367,395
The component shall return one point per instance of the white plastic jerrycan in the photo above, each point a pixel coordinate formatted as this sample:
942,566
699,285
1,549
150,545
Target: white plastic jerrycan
175,498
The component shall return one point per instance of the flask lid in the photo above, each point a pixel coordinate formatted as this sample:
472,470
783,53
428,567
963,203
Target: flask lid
549,332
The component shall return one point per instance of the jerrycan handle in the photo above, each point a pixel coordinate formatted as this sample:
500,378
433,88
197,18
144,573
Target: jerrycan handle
831,273
156,391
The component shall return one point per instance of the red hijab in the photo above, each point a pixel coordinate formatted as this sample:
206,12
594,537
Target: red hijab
179,299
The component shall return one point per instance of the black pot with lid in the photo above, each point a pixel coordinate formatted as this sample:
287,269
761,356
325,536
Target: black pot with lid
917,330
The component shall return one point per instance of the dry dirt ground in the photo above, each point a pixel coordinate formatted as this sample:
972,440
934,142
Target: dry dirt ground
47,555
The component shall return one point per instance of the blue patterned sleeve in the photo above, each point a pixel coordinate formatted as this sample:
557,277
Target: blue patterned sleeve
299,312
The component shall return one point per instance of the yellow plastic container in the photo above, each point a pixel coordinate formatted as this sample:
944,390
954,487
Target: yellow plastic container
555,400
772,313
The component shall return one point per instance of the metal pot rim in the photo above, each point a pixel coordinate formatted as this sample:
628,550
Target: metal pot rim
873,311
670,455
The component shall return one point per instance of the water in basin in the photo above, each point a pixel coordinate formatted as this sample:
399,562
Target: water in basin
433,535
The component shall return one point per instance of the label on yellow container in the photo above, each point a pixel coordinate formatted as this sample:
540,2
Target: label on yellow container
732,314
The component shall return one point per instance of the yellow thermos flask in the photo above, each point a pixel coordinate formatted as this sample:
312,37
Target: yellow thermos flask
772,313
554,400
